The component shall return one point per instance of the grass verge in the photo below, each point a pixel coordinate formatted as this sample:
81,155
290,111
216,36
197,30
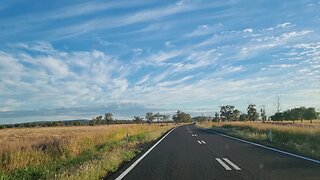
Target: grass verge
72,152
302,140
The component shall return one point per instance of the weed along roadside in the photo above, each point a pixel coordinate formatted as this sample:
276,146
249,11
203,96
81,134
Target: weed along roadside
87,152
302,140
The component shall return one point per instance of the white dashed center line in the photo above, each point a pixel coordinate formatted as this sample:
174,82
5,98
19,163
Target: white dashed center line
229,163
223,164
232,164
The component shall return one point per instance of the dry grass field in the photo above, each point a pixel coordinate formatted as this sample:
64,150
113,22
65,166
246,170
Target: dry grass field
89,152
300,137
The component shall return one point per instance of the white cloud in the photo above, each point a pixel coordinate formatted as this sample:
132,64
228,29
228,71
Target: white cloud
248,30
106,23
137,51
205,29
60,79
283,66
169,44
284,25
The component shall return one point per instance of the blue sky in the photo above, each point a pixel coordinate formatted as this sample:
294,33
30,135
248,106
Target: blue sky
76,59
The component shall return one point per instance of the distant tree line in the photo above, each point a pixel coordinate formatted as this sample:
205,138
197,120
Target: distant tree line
230,113
227,113
202,118
301,113
106,119
46,124
151,117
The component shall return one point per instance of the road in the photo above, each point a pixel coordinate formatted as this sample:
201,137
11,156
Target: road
189,152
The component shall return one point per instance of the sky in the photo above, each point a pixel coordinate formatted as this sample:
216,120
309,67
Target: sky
76,59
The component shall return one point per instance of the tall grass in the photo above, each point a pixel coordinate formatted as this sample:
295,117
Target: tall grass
86,152
299,138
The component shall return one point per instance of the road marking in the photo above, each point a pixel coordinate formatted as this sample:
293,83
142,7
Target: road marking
265,147
194,135
124,173
223,164
232,164
203,142
199,142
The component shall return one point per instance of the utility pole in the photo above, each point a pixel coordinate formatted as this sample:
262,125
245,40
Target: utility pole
278,104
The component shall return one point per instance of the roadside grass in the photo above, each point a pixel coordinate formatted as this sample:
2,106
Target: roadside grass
87,152
303,139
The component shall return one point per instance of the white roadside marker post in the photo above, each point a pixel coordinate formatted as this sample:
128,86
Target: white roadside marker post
270,135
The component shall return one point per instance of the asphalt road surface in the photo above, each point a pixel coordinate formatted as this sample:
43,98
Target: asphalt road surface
189,152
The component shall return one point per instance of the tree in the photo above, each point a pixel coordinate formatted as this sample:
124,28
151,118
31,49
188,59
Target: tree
263,114
253,115
243,117
310,114
165,117
216,117
76,123
277,116
149,117
236,115
287,115
157,116
96,120
99,120
297,113
226,112
108,118
181,117
137,119
300,113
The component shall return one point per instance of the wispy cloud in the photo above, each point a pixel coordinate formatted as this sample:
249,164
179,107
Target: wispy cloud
159,55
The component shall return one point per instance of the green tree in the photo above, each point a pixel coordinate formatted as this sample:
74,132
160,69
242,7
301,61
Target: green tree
99,120
243,117
236,115
77,123
108,117
310,114
157,117
263,114
149,117
137,119
226,112
277,116
287,115
181,117
165,117
216,117
297,113
253,115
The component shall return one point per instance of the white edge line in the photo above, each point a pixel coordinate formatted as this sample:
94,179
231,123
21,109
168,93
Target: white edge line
232,164
262,146
124,173
223,164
